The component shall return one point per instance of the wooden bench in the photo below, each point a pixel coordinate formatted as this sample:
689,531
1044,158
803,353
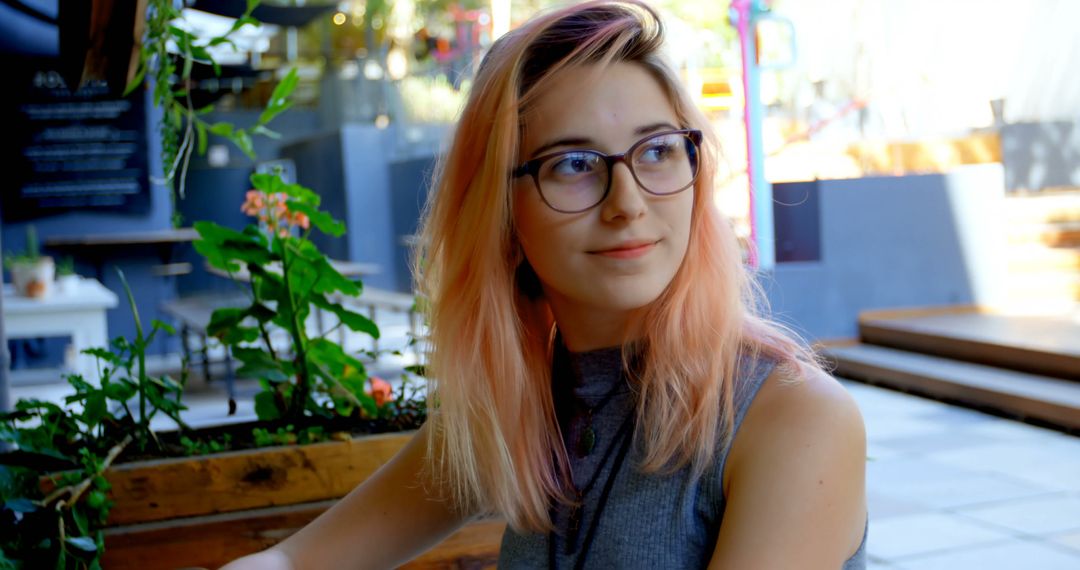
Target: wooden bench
192,314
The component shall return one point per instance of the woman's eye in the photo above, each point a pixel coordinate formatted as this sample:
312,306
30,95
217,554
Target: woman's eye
573,165
658,152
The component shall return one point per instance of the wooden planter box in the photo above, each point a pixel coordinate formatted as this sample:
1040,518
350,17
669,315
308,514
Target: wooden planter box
206,511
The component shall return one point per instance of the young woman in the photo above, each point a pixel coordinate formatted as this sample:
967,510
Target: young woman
602,376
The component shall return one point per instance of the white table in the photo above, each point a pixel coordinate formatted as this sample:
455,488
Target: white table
78,313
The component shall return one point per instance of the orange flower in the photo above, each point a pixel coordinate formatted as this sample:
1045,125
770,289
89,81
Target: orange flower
381,391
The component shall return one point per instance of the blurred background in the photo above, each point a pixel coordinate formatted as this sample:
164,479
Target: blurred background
904,178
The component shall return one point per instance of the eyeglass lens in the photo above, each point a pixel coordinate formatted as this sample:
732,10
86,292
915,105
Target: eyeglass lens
578,180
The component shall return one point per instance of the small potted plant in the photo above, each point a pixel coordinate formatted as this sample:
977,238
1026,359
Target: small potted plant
31,272
67,281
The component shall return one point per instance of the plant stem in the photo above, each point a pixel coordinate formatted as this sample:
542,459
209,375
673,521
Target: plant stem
300,393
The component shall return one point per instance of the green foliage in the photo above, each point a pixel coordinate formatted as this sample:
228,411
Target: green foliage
182,128
77,442
288,435
289,280
65,266
28,256
205,446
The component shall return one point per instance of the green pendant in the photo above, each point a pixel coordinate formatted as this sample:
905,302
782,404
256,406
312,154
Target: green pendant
587,441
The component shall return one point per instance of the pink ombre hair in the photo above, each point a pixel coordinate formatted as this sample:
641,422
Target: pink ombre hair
492,426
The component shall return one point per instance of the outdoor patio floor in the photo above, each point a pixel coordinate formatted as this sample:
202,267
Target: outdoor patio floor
948,487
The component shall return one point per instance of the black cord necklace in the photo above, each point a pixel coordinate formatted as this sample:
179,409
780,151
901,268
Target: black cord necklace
622,440
587,439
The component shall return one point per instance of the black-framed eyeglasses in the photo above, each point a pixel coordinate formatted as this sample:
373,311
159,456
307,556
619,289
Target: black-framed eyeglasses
573,181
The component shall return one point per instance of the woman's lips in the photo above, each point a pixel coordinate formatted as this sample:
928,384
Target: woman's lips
631,252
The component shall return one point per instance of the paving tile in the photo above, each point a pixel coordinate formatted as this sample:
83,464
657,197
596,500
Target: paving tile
946,492
1038,516
889,427
884,505
954,416
1052,462
1069,540
943,440
885,474
896,537
1013,555
1012,431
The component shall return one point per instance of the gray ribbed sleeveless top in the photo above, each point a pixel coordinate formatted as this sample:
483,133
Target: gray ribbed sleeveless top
647,520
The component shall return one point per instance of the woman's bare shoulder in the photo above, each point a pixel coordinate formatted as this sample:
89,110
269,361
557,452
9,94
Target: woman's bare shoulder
796,473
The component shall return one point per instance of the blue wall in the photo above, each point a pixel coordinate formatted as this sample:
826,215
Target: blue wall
376,181
150,291
889,242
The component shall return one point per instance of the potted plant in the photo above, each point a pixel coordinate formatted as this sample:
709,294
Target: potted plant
67,281
31,273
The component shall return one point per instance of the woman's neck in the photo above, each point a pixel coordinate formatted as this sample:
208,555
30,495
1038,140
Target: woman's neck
585,329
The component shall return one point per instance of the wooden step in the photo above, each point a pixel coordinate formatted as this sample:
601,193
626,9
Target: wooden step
1028,396
1036,258
1048,346
1057,234
1044,208
1041,285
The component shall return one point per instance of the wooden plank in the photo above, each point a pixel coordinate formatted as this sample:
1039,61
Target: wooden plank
152,237
1037,345
1047,399
172,488
211,541
912,312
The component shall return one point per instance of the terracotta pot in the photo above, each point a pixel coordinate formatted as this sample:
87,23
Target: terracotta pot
33,278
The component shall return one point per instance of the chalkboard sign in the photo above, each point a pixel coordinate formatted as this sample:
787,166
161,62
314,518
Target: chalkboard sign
67,151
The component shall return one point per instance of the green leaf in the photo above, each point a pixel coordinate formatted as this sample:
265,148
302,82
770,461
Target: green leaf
331,280
120,391
261,130
269,183
355,321
95,409
95,499
200,133
226,318
322,220
221,40
201,55
259,364
279,98
79,517
266,406
161,325
102,354
305,195
222,129
136,81
242,140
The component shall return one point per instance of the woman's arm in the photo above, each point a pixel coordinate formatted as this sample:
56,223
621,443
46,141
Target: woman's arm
382,523
795,479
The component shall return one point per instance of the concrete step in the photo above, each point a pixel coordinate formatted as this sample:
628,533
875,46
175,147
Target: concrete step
1048,346
1028,396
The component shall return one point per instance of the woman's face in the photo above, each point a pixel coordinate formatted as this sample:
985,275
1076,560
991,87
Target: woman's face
621,254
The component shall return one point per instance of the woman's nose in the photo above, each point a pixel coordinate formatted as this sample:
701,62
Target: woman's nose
625,200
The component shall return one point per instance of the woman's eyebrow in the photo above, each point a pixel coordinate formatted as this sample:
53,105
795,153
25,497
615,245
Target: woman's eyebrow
583,141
